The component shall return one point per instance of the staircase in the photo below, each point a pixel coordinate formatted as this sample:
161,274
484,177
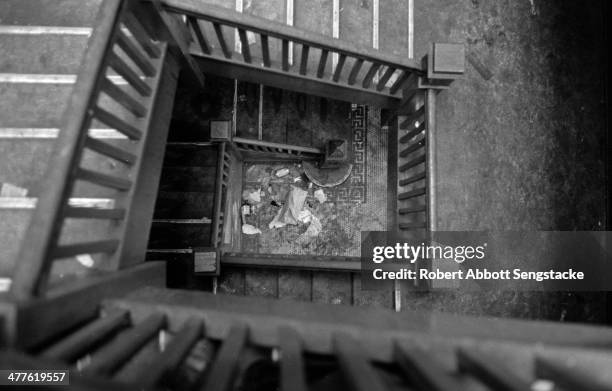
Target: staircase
81,142
154,338
41,55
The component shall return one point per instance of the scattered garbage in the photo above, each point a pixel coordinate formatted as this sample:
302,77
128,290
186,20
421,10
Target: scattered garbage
282,172
86,260
10,190
246,210
313,230
305,216
320,195
253,197
275,203
291,209
250,230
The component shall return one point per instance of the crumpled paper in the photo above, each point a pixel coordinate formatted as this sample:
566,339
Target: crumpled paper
290,212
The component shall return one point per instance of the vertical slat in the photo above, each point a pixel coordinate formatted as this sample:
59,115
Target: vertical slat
129,75
431,163
31,272
123,98
265,50
140,59
112,356
355,71
285,55
382,82
199,34
246,51
424,371
322,63
220,376
367,80
217,200
291,362
170,359
103,179
569,377
399,82
490,371
141,35
117,123
339,66
79,342
304,59
110,150
355,364
97,247
219,31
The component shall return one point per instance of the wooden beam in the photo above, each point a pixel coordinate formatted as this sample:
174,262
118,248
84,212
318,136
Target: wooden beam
75,345
293,377
423,370
32,322
282,31
298,262
356,364
220,376
139,211
376,328
490,371
113,355
306,84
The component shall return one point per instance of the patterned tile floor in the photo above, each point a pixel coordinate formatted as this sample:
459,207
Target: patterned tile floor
357,205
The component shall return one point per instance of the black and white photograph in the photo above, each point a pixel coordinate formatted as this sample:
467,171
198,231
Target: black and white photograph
305,195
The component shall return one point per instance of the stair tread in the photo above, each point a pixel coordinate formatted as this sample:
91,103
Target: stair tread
29,105
77,13
49,53
25,162
14,223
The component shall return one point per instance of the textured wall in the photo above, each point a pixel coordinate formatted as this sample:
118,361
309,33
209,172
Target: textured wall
525,148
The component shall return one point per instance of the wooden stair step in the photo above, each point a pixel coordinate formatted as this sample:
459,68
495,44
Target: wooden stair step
69,13
41,53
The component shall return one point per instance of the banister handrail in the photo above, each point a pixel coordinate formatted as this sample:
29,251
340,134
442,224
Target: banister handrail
32,264
121,45
282,31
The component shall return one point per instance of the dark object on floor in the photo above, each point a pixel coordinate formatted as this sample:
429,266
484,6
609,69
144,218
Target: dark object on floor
277,98
323,109
336,154
301,104
220,130
479,66
327,177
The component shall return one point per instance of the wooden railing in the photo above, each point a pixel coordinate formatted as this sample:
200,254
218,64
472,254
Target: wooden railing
161,334
416,162
116,87
265,149
221,189
324,66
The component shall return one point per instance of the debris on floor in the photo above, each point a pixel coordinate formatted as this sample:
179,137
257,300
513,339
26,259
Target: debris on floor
248,229
253,197
290,211
313,230
282,172
320,195
10,190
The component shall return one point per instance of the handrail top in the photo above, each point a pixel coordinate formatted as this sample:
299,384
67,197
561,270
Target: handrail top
279,30
240,140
